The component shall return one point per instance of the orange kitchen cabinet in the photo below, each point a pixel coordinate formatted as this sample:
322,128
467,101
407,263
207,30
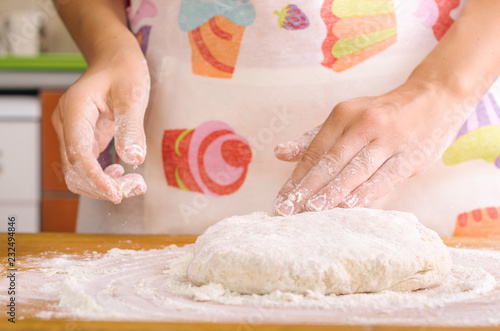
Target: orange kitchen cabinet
59,205
59,214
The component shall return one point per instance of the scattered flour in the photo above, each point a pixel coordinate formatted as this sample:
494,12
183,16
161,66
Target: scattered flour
152,286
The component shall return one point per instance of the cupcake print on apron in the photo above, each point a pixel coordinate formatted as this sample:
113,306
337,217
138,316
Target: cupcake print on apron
356,31
478,138
215,29
210,159
481,222
141,19
435,14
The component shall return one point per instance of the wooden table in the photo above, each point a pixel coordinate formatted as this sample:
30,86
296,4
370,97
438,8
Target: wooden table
51,244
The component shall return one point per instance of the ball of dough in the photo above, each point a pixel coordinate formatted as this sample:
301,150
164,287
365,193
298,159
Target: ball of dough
340,251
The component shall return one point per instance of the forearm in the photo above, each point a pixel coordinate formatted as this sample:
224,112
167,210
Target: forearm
99,27
466,62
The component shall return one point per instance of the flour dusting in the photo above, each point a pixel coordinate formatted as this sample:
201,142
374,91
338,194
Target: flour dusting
338,251
151,285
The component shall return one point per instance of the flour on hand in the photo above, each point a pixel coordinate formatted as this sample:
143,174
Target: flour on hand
340,251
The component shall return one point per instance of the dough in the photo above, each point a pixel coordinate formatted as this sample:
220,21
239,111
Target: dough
340,251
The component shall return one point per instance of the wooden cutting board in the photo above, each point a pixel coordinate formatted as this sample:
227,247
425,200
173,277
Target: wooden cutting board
51,244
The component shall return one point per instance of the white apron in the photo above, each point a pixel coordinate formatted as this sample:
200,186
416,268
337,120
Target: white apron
233,78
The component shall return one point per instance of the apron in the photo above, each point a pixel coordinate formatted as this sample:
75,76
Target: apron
231,79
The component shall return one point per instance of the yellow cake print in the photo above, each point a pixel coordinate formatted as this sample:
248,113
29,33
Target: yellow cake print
356,31
479,137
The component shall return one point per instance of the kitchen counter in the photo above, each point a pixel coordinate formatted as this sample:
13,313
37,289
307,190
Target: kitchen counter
50,245
45,71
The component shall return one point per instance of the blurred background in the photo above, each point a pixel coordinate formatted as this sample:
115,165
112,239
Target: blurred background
38,61
43,15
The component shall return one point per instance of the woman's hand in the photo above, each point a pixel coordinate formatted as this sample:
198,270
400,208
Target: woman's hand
366,147
109,100
369,145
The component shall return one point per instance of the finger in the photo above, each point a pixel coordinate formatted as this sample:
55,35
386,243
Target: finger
85,177
382,182
70,176
131,185
74,180
322,142
81,152
79,185
355,173
129,106
114,170
293,150
319,175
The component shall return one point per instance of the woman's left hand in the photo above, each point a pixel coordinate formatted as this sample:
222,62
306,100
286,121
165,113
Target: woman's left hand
366,147
369,145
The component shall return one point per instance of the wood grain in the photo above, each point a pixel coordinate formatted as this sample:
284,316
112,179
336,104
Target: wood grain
145,326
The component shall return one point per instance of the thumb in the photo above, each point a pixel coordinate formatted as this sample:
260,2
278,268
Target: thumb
130,139
293,150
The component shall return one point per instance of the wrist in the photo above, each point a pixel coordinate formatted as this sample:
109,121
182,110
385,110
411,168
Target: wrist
437,101
451,87
121,46
456,84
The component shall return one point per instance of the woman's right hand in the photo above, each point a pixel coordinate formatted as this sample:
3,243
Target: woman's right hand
109,100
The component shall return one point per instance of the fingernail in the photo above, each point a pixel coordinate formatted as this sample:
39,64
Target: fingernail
350,201
134,153
316,204
285,208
